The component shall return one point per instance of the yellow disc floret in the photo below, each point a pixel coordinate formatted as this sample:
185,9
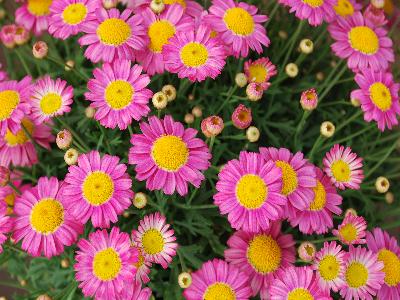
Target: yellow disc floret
20,137
356,275
251,191
380,96
341,171
300,294
170,152
106,264
98,188
153,242
364,40
114,32
159,33
289,177
391,266
319,197
39,7
314,3
119,94
47,216
74,13
194,55
9,100
329,267
344,8
181,2
50,103
264,254
219,291
258,73
239,21
348,232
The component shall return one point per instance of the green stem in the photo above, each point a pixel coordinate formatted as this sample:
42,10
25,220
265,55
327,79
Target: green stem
332,82
314,147
31,138
63,64
75,135
231,91
12,185
381,161
300,126
212,140
21,58
320,240
130,130
292,42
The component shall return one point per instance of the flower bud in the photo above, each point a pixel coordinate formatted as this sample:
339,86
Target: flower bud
197,111
375,15
7,35
320,76
157,6
241,80
190,97
327,129
170,91
382,184
184,280
306,46
22,35
241,117
307,251
283,34
140,200
64,139
126,214
71,156
309,100
22,282
389,198
255,91
90,112
69,65
4,176
189,118
43,297
160,100
291,70
355,102
252,134
40,50
3,298
64,263
378,3
108,4
212,126
350,211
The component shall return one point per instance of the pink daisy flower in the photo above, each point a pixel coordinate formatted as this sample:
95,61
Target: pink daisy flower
260,255
143,266
113,35
249,192
5,224
98,189
118,93
329,267
18,149
242,117
352,230
298,176
375,15
217,279
168,156
362,43
239,26
317,218
43,222
7,35
346,8
105,264
50,98
67,16
363,274
155,239
295,283
380,242
194,54
343,167
309,99
160,28
8,194
34,15
314,11
190,8
260,70
14,98
378,95
134,291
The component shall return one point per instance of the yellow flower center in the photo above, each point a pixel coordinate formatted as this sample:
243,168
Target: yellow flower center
300,294
39,7
153,241
258,73
140,261
391,266
159,33
239,21
74,13
10,199
344,8
289,177
50,103
356,275
380,96
194,54
219,291
9,100
20,137
309,250
341,171
113,32
106,264
328,268
264,254
181,2
119,94
364,40
319,197
170,152
348,232
251,191
98,188
47,215
314,3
